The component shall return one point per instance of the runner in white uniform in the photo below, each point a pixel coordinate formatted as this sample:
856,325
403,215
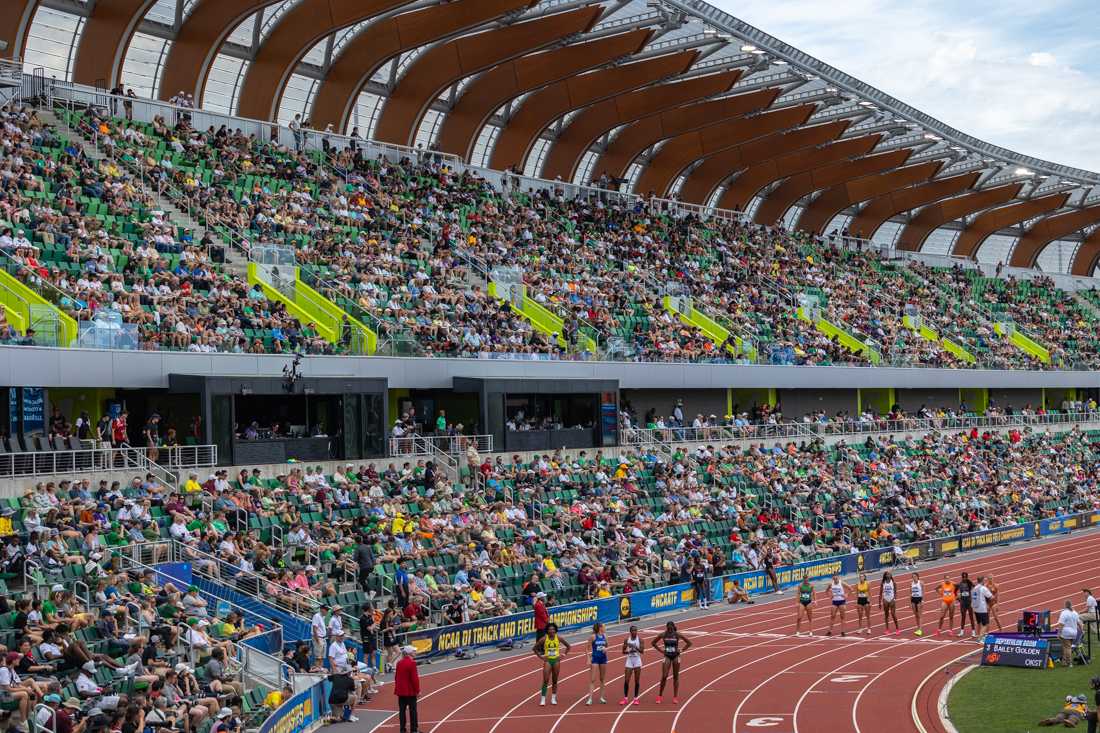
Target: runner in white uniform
916,598
838,591
632,648
886,601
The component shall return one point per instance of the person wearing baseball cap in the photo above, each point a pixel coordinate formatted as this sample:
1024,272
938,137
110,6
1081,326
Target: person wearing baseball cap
406,686
338,653
319,632
542,616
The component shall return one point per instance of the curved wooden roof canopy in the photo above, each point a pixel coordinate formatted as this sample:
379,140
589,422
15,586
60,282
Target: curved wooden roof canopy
568,149
500,55
702,181
636,137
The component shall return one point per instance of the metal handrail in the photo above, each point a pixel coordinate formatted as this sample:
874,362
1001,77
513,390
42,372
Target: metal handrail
227,570
98,460
427,445
717,433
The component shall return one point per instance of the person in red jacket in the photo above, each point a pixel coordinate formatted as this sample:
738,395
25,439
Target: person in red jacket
542,616
406,685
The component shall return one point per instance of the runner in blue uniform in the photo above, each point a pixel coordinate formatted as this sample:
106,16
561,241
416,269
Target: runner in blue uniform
598,644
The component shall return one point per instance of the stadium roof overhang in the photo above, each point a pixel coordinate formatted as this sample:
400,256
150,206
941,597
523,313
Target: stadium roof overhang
673,97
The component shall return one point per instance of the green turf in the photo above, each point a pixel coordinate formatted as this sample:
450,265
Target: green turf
1014,700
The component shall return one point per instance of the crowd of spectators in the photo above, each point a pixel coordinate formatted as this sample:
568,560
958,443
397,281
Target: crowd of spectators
410,247
378,551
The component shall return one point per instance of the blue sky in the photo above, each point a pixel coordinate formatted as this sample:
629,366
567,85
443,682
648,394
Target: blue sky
1021,74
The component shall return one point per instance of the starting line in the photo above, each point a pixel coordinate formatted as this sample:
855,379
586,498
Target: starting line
907,639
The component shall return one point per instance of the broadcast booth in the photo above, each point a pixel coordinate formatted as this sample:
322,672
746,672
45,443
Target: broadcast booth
260,420
546,414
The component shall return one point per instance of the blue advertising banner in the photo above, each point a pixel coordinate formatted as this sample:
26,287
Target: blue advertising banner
1015,651
34,410
299,712
656,600
491,631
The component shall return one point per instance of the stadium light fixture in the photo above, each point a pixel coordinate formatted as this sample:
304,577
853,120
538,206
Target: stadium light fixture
749,48
1024,172
779,62
930,136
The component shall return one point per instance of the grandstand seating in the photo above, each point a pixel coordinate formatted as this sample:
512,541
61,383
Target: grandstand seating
411,250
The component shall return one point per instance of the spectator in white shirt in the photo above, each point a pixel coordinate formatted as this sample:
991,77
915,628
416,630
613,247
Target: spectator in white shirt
338,654
336,622
1090,604
1069,628
979,601
319,632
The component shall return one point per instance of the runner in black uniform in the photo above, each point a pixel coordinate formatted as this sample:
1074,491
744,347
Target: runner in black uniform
669,643
769,567
965,610
699,583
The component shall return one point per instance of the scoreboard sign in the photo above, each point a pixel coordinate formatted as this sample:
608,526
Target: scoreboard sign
1008,651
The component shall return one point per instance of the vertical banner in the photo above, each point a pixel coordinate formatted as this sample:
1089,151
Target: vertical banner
609,419
34,410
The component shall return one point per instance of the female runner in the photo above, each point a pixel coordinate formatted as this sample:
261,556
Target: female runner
598,644
669,643
887,601
838,590
966,610
916,598
805,607
993,601
948,594
550,649
771,559
863,605
632,648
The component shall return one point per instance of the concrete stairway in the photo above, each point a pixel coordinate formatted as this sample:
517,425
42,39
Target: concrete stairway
235,261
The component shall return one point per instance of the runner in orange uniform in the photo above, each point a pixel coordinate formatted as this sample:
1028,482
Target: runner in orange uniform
948,594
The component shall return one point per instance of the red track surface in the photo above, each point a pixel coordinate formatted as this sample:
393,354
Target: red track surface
747,672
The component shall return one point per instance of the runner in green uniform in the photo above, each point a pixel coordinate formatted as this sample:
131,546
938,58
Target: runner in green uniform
805,608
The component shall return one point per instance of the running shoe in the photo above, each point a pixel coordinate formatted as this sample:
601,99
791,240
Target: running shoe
961,632
675,701
658,700
603,701
542,701
918,632
636,702
588,701
553,699
623,701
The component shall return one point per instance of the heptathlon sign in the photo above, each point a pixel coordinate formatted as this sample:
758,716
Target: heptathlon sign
1012,651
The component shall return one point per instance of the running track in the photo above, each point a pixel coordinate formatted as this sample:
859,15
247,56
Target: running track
747,672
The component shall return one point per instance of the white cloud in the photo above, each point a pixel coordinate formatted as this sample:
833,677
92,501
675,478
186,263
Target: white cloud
975,68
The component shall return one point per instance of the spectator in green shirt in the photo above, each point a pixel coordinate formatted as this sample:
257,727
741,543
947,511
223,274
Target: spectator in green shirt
441,423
